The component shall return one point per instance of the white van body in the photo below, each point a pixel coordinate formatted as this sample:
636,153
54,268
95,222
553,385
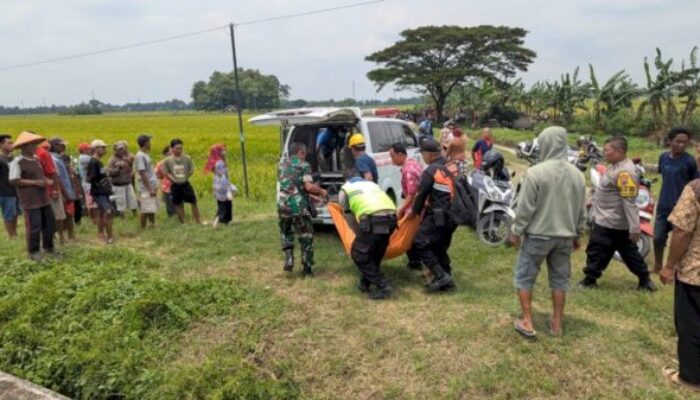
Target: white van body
380,133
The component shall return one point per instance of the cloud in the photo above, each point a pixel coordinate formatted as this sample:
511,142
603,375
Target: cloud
319,56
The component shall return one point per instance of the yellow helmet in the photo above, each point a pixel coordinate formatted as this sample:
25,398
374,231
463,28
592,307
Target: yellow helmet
356,140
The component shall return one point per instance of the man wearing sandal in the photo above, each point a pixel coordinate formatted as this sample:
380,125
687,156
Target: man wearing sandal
551,215
683,266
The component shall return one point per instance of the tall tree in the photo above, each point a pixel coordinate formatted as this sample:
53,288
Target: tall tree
434,60
257,91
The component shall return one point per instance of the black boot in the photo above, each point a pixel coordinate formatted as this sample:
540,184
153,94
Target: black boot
587,283
647,286
383,291
441,281
289,260
363,286
307,271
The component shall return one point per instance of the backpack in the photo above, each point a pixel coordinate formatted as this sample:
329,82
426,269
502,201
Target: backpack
463,203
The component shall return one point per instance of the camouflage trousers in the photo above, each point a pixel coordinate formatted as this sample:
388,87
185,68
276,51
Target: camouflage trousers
305,232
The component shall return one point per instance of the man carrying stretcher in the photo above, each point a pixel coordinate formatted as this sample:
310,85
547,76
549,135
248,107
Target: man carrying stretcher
375,213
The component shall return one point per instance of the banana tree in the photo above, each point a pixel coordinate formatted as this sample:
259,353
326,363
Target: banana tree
690,86
617,93
572,95
661,91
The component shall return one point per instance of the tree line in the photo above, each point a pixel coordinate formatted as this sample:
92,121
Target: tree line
473,70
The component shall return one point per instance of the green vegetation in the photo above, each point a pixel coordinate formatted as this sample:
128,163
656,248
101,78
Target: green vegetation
437,59
190,312
258,91
198,131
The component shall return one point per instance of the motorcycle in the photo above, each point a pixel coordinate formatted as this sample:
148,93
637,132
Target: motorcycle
495,214
588,153
528,151
645,202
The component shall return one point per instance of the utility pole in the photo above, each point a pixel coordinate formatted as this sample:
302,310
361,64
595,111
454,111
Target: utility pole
238,109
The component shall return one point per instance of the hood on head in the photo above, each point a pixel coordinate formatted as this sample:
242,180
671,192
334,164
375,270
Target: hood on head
553,145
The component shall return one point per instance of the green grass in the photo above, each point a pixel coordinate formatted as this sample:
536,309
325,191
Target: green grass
192,312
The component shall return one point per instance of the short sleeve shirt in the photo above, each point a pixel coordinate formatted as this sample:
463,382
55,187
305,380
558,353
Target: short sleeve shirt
686,216
180,168
675,173
365,164
96,176
30,197
410,177
142,163
6,189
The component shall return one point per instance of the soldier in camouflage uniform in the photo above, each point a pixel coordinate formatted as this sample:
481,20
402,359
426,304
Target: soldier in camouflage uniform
295,184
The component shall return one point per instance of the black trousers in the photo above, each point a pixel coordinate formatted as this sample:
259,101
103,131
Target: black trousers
40,227
432,243
687,317
78,211
169,207
603,244
224,211
368,251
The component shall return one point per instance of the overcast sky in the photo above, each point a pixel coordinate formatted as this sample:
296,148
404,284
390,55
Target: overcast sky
319,56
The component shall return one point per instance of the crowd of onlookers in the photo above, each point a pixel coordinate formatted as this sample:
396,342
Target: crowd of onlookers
54,191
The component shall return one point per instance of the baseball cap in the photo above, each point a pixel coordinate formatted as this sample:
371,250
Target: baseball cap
57,141
143,139
430,145
83,147
98,143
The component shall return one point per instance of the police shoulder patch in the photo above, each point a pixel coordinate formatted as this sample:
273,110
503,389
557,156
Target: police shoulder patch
626,184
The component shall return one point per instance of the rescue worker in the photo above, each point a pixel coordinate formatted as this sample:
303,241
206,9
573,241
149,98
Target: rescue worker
615,218
363,163
293,207
375,213
435,234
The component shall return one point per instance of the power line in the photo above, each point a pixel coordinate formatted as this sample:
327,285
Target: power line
324,10
181,36
113,49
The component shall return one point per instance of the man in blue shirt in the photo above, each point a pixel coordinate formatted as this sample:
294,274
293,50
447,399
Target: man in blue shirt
363,163
326,143
677,169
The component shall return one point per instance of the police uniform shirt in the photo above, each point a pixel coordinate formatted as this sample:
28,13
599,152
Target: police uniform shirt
614,200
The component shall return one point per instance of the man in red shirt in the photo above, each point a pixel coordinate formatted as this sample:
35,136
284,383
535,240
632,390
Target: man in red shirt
411,171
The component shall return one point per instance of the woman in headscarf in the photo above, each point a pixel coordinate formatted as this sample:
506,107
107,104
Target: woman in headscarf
223,190
481,147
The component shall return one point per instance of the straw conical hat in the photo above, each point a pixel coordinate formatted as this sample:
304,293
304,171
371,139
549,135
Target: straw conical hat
25,138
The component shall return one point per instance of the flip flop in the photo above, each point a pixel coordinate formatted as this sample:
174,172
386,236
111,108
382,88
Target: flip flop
552,331
672,375
524,332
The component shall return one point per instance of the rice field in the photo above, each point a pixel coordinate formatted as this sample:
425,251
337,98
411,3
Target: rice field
198,130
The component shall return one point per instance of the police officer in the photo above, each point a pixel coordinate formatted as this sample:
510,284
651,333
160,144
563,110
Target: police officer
376,216
293,206
616,219
435,234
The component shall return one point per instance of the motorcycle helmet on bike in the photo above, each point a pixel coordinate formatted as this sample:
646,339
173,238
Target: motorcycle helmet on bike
493,160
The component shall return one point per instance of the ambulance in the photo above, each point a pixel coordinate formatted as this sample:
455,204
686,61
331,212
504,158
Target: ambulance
330,156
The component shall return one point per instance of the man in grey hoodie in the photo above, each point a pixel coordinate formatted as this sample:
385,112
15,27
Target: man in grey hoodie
550,216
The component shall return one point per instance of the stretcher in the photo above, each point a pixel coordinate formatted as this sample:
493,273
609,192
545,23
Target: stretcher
399,242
